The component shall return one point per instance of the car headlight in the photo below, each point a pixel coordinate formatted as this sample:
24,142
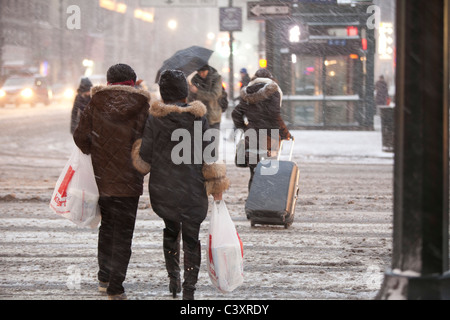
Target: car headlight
27,93
2,93
69,94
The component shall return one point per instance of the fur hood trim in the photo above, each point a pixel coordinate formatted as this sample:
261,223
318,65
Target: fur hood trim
216,180
269,88
128,89
138,163
159,109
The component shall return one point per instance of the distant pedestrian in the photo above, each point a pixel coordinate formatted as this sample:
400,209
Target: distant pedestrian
245,78
206,86
179,191
260,108
81,101
112,122
382,93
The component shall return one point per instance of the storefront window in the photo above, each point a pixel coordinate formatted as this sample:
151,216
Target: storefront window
308,75
324,90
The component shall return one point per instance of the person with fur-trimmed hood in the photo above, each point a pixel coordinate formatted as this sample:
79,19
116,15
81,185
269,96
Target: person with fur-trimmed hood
111,123
260,105
180,180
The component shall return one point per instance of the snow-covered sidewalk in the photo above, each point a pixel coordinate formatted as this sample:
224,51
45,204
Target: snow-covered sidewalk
337,248
326,146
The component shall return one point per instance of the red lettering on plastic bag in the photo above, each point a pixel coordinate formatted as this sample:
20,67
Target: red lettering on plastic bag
65,183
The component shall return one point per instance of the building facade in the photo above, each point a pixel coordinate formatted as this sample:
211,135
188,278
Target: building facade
61,39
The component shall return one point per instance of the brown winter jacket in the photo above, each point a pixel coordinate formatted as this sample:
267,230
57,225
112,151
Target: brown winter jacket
108,128
209,92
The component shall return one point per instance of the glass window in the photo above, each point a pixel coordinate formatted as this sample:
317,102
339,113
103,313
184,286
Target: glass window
337,77
308,76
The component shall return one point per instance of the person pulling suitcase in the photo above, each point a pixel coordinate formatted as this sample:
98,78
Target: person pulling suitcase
260,108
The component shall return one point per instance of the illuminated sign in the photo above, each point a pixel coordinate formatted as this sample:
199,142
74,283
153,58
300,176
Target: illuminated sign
144,15
386,41
113,5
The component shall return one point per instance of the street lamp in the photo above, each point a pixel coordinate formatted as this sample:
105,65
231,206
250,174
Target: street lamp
89,65
294,34
172,24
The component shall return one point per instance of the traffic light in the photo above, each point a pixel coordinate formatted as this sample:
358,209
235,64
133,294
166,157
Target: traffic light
298,33
352,31
364,44
263,63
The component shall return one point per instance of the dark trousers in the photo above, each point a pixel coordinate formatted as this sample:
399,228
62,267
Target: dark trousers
191,248
115,239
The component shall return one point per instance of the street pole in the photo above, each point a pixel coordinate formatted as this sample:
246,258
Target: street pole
231,91
420,254
369,83
2,4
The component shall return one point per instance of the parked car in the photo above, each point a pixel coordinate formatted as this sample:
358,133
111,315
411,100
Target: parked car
25,90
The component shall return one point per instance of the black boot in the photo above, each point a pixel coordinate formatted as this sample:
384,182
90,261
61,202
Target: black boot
192,260
175,286
171,244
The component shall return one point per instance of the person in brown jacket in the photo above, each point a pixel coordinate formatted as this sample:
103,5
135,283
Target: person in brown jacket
109,126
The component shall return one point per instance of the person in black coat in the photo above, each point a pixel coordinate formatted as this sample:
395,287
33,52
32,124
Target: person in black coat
260,108
382,92
81,101
180,181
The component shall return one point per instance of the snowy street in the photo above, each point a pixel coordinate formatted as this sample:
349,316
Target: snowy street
337,248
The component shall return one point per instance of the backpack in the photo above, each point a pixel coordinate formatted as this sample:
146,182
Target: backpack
223,100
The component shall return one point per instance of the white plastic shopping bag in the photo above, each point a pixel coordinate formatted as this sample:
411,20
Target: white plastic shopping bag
225,251
76,193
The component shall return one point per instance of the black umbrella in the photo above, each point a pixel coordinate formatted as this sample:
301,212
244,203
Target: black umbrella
187,60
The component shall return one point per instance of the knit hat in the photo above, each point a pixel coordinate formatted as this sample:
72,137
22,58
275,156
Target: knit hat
173,86
204,68
121,74
263,73
85,85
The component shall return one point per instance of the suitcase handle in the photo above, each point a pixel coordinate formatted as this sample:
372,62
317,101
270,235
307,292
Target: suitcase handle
281,148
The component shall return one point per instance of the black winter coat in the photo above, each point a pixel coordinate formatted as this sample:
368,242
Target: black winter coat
175,189
80,103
